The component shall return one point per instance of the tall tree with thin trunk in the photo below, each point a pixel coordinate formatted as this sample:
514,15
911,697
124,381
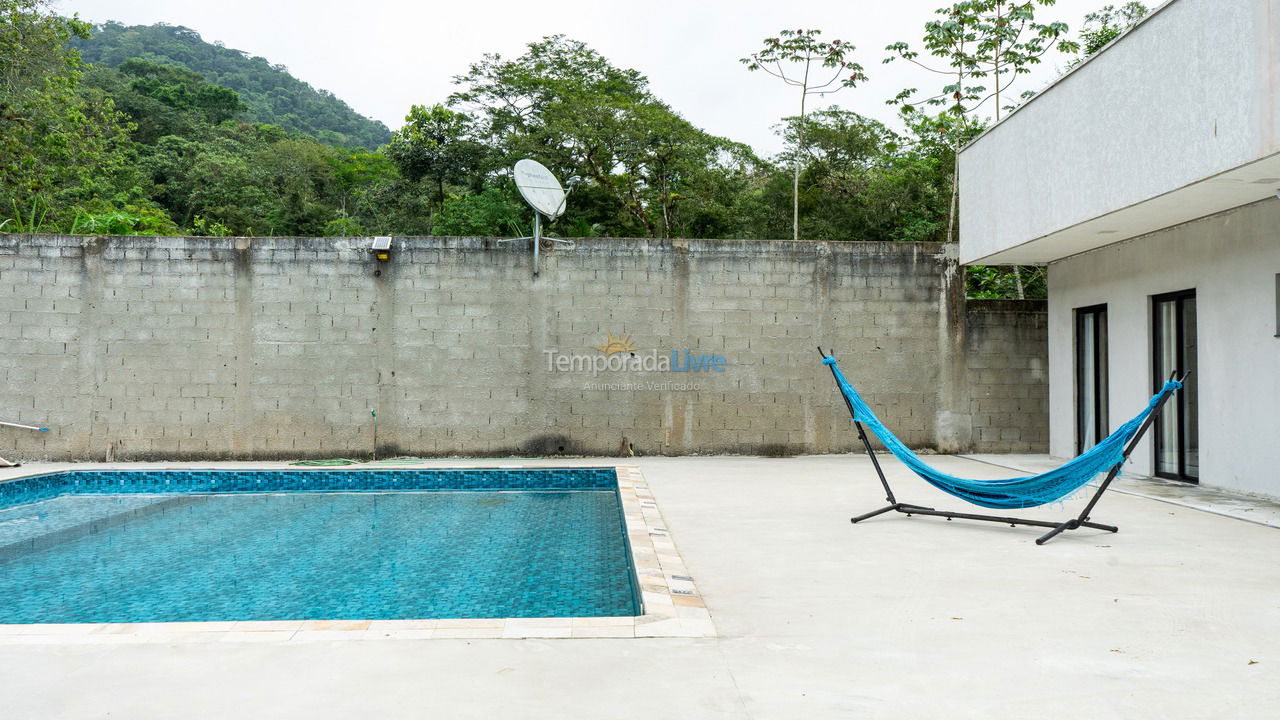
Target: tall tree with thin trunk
816,67
974,42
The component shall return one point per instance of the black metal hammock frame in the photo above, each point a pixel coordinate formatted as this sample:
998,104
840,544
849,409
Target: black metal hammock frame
1056,528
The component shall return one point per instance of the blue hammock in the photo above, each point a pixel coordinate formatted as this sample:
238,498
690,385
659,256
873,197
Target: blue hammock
1019,492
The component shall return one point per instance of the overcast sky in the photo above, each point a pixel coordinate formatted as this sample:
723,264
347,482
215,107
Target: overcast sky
381,56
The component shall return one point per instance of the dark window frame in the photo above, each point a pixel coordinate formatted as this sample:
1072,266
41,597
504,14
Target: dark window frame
1177,403
1101,422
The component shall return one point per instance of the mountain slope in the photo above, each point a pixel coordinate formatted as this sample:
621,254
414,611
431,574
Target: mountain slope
269,92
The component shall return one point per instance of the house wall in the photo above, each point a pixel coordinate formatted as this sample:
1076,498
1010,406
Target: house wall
284,347
1231,260
1190,93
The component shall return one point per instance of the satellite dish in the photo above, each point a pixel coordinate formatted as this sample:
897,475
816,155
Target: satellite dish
544,194
539,187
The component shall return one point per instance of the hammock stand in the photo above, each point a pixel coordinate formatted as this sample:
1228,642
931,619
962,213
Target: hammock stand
1080,521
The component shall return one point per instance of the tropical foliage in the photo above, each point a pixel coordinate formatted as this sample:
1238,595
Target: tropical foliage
150,130
802,60
268,92
62,145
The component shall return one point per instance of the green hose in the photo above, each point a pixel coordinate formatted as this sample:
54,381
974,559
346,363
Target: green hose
335,462
398,461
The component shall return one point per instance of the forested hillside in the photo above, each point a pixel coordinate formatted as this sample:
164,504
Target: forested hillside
268,92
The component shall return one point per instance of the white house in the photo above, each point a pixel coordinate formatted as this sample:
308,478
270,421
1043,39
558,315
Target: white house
1148,180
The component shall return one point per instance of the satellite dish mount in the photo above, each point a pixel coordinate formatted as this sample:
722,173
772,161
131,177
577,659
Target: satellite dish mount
539,187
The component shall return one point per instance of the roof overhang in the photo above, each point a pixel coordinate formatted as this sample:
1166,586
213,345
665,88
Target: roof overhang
1247,184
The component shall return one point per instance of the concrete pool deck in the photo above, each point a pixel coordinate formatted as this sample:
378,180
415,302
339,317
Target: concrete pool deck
1177,615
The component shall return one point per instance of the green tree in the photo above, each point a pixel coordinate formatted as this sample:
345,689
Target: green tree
60,144
299,180
357,174
973,42
862,181
439,145
344,226
394,207
976,42
805,55
164,100
1100,28
644,157
631,158
182,89
488,213
996,41
227,176
133,147
997,283
1107,24
515,96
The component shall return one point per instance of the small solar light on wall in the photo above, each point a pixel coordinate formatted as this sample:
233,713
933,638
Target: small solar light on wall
381,248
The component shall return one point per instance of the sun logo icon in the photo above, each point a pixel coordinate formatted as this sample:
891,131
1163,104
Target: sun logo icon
618,344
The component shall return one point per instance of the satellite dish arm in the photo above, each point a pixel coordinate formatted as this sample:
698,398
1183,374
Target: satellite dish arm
563,202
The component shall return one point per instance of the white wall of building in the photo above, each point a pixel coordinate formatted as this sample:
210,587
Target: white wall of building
1189,94
1231,260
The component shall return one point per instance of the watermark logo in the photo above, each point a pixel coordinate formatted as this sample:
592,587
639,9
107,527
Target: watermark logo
612,345
620,353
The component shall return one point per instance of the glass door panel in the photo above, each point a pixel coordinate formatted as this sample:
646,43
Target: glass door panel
1177,438
1091,376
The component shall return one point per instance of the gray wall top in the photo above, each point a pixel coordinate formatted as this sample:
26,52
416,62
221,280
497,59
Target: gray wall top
10,241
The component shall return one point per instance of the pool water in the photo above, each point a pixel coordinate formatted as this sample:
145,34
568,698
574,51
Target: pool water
199,556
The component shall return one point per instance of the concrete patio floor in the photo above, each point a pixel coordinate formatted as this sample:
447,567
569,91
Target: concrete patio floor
1177,616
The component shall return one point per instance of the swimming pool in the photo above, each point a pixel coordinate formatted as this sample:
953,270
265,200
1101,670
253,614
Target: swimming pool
165,546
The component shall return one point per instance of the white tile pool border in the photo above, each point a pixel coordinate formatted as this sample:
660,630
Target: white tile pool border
670,602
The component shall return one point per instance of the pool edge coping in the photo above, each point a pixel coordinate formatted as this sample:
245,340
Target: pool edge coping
671,605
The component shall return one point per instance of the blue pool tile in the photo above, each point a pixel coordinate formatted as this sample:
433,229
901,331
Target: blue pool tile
120,482
324,544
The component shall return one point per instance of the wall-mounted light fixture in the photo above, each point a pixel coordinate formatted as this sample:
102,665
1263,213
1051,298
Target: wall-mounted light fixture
381,248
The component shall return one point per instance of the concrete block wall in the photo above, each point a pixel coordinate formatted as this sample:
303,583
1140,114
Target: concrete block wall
193,348
1007,374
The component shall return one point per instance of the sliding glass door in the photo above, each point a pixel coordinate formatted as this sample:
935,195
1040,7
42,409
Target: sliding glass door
1177,432
1091,376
